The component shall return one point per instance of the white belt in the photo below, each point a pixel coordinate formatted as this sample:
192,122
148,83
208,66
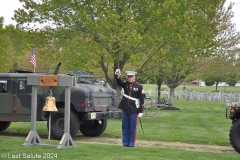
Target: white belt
135,99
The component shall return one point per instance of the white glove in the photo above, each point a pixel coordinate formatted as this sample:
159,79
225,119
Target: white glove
140,115
118,72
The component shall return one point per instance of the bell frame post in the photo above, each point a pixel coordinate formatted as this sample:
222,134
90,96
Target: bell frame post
33,138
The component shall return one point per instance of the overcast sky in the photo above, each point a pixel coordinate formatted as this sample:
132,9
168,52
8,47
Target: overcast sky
8,6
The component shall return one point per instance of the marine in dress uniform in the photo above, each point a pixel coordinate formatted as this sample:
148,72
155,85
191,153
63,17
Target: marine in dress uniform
132,105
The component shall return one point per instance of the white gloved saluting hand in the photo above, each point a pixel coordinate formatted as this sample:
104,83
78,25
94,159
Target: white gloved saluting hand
118,72
140,115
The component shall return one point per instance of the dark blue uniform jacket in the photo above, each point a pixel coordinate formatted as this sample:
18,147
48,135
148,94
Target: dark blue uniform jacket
134,90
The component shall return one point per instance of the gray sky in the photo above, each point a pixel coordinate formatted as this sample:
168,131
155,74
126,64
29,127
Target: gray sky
8,6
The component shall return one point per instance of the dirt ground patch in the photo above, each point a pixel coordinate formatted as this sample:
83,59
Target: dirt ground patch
159,144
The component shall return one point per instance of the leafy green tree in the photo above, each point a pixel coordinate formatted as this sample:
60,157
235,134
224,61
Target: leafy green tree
114,34
16,45
194,35
209,80
1,22
186,31
223,63
232,80
110,32
12,47
217,69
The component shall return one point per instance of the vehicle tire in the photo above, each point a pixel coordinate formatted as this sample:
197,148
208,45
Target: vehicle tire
234,136
93,128
57,124
4,125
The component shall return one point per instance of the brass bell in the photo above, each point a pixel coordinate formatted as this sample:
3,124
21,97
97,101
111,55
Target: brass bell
50,105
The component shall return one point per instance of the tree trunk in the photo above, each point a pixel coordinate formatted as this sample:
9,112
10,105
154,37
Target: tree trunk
171,100
159,84
171,97
217,86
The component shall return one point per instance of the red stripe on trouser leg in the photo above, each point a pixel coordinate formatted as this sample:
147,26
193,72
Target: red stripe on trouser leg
135,134
133,124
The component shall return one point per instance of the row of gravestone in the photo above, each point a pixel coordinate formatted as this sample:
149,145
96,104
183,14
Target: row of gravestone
208,96
227,98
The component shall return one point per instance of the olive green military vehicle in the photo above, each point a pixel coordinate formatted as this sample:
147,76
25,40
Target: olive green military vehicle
91,103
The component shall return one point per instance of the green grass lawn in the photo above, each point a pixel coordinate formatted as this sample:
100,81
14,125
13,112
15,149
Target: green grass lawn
197,122
200,122
12,147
